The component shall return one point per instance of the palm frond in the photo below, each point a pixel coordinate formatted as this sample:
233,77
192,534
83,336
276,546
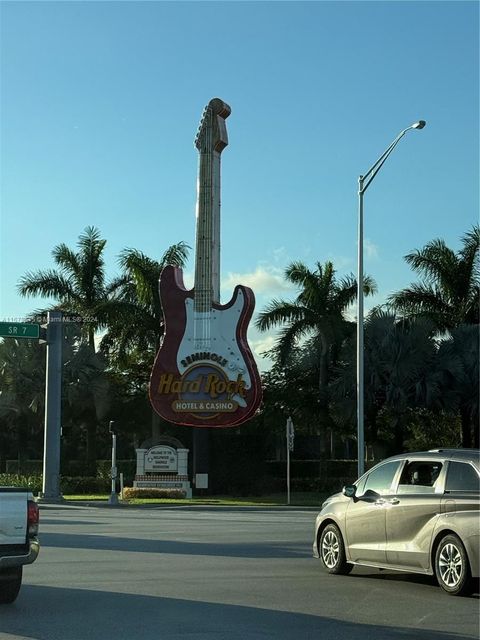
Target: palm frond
279,312
471,243
176,255
67,259
435,261
49,284
287,338
422,299
297,273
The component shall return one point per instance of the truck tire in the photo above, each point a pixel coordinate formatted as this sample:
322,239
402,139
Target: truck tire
10,583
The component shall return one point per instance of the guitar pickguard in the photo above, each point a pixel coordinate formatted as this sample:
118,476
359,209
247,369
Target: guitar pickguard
214,333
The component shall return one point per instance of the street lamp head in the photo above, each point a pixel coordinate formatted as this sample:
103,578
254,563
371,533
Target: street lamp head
419,125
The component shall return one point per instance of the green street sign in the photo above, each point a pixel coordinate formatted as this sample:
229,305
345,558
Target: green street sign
19,330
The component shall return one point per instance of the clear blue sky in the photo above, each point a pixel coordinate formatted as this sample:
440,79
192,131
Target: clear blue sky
101,102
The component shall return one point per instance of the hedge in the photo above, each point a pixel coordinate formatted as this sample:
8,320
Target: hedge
130,493
31,482
68,484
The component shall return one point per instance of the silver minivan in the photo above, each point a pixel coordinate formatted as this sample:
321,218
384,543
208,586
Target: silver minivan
415,512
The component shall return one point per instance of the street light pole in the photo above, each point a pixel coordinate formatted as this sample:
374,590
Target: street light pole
360,353
363,183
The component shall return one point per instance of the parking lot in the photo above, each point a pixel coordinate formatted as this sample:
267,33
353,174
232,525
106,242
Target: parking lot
213,573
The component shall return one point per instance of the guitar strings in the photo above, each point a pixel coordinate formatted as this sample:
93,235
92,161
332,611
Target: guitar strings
203,289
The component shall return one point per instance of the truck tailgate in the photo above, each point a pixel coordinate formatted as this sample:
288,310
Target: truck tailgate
13,516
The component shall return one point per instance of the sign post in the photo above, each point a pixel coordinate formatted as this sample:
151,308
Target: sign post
290,438
113,495
53,409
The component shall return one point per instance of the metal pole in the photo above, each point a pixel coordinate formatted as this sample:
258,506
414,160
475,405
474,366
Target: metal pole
288,469
290,434
363,184
53,409
113,495
360,352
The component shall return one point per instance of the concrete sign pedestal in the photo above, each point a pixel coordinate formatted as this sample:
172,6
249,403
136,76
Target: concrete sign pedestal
163,467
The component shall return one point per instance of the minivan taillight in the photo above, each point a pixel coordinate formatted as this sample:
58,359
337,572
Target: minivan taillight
33,516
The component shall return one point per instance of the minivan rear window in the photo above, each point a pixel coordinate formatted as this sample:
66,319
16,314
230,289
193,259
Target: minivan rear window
462,477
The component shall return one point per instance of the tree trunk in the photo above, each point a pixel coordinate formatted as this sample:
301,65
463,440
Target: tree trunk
91,339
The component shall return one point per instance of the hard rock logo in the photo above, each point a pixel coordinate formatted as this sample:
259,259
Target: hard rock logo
210,384
202,392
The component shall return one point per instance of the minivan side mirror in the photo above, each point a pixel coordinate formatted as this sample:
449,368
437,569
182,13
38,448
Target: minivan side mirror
349,490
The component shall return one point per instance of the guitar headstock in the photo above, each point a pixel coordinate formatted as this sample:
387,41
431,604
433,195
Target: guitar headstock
212,132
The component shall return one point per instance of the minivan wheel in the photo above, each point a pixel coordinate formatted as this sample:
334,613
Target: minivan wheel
10,583
332,551
451,566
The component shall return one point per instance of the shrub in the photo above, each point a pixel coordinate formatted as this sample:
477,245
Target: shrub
130,493
31,482
127,467
84,484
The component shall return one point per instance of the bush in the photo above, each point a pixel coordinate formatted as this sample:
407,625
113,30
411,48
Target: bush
127,467
84,485
31,482
98,468
68,484
130,493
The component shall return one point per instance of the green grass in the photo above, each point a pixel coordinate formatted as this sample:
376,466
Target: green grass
279,499
88,497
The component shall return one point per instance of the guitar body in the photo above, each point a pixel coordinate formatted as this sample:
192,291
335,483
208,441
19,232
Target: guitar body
204,374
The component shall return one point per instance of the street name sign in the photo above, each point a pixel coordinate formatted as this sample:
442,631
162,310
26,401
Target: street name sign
19,330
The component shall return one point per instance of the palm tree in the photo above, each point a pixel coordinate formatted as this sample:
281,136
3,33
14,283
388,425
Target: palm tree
317,314
78,285
87,398
134,337
22,396
81,292
140,327
402,372
460,377
449,291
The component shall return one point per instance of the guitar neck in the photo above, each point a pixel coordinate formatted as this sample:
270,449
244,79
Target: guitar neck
210,141
207,257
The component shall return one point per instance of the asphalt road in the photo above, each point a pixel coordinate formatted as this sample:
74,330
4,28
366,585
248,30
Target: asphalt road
182,573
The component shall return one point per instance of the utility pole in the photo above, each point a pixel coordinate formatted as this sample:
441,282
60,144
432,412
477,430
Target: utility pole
53,409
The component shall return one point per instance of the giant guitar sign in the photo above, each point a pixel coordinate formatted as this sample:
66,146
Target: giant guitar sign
204,374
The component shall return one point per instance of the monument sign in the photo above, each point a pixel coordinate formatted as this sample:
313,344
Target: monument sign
163,466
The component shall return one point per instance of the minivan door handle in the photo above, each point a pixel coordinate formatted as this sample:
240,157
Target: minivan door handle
394,501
